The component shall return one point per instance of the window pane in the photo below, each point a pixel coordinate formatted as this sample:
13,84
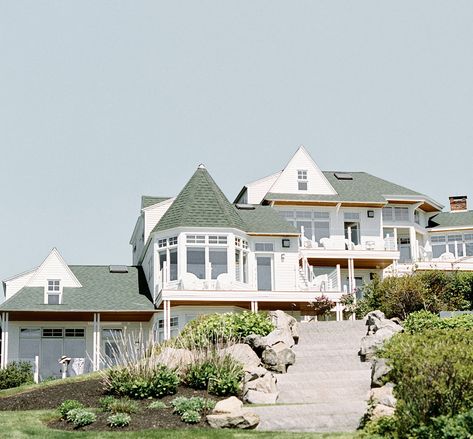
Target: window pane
196,261
237,265
302,185
53,299
437,250
30,333
245,267
469,248
321,230
387,213
173,264
307,228
218,261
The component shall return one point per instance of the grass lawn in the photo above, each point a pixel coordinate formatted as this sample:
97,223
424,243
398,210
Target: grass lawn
20,425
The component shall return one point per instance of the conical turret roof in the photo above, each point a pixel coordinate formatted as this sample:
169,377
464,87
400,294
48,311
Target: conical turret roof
201,203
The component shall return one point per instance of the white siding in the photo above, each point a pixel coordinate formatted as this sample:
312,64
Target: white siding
153,214
287,181
53,267
258,189
17,283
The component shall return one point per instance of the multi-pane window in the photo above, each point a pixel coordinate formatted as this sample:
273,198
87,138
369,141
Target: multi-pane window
207,255
302,179
52,332
53,293
264,247
241,260
316,223
74,332
168,254
456,243
395,213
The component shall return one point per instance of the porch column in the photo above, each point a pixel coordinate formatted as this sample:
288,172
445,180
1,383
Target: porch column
413,241
338,311
254,306
96,346
395,239
167,319
4,351
339,278
351,276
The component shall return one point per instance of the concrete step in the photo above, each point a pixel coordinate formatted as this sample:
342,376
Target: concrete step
310,418
319,376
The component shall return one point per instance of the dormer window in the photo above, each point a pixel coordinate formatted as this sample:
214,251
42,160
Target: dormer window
53,293
302,179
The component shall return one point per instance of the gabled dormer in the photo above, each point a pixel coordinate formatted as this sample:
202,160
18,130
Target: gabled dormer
302,176
53,275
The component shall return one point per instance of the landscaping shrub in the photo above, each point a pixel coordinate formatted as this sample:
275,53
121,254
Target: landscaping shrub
421,320
80,417
104,403
67,406
223,328
433,375
119,420
16,374
142,382
191,417
157,405
198,404
433,291
447,427
123,406
321,305
220,374
384,427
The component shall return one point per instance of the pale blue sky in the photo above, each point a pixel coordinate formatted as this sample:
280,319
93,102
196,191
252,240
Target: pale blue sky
103,101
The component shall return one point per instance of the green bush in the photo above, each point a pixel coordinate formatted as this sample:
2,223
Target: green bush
80,417
421,320
433,291
198,404
221,375
447,427
104,403
16,374
119,420
123,406
157,405
67,406
433,375
191,417
143,383
223,328
383,427
321,305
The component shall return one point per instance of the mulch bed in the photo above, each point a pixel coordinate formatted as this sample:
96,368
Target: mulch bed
89,392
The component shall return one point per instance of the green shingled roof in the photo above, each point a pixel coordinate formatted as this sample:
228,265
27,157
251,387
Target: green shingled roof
452,219
147,201
265,219
200,204
363,188
100,291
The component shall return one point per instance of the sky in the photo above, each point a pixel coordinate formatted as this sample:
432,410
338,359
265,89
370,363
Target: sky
104,101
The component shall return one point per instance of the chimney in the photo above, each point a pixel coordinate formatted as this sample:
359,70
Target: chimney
458,203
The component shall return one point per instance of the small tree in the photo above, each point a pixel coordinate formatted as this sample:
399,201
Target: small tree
321,305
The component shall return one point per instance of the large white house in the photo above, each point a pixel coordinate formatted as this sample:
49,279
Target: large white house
288,237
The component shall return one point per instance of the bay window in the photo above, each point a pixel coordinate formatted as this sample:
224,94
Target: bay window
168,254
207,255
456,243
241,260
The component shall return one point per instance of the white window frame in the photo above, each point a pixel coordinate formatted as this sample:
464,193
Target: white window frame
208,241
53,288
302,180
241,247
167,245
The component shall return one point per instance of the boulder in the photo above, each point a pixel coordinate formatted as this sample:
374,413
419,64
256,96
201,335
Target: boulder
256,397
175,358
265,384
389,324
229,413
379,369
383,395
382,410
256,342
282,320
255,373
278,357
242,419
244,354
279,336
374,315
228,405
371,343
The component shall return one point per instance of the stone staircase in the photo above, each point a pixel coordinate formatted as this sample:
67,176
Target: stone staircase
326,389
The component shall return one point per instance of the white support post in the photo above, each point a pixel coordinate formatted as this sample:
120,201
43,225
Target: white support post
98,341
4,340
165,319
413,241
36,369
339,278
350,277
96,345
169,319
254,306
395,239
